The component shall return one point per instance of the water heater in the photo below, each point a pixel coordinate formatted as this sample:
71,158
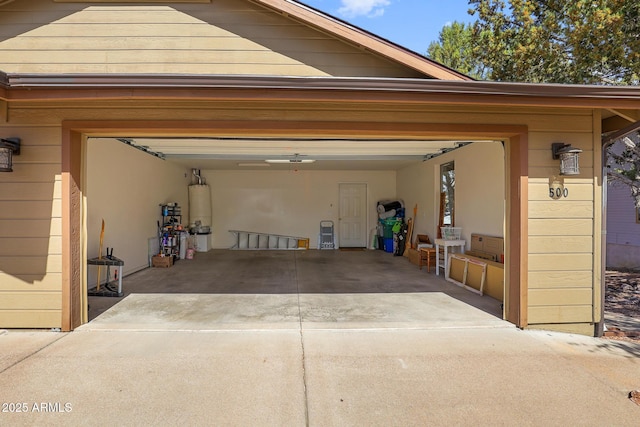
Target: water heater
200,205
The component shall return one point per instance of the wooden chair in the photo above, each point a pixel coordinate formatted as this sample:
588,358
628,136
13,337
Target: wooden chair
427,254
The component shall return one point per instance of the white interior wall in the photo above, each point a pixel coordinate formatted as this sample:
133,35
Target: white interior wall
416,186
479,191
286,202
125,187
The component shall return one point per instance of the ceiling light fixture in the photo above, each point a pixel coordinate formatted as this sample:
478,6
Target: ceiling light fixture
296,159
290,161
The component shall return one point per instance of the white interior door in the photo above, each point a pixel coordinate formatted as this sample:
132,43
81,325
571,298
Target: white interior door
353,215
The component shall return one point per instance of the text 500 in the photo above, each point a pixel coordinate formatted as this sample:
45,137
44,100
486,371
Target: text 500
558,192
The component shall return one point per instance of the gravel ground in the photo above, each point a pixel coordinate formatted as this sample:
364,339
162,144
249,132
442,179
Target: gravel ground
622,303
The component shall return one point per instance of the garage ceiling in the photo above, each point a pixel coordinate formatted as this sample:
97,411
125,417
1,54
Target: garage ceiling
303,153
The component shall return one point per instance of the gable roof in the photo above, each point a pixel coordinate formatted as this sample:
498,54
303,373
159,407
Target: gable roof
364,39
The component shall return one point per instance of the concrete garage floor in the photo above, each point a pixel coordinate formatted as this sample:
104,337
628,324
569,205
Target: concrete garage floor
224,289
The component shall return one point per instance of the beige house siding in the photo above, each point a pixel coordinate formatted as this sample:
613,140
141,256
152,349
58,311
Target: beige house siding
31,230
564,263
231,37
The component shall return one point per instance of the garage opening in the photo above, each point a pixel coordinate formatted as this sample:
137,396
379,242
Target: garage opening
262,185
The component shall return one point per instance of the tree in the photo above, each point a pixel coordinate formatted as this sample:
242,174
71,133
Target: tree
454,49
623,164
559,41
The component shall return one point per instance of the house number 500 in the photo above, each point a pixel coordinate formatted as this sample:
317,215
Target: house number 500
558,192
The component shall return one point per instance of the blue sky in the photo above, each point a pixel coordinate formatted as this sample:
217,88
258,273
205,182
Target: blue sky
409,23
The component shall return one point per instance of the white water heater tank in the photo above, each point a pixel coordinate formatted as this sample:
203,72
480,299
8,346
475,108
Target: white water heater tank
200,205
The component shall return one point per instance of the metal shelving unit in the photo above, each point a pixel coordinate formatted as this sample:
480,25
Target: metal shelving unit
170,229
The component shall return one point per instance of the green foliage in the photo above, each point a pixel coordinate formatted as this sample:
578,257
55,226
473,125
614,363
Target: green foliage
454,49
558,41
623,164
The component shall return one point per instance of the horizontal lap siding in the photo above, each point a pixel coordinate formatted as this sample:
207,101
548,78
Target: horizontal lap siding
30,282
558,314
36,301
222,37
31,232
561,232
30,318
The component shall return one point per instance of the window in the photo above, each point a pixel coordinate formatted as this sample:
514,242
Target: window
447,194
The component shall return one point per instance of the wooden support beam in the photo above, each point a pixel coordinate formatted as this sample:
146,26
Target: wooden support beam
4,111
629,115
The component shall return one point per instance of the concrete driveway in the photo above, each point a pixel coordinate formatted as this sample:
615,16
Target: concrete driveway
316,377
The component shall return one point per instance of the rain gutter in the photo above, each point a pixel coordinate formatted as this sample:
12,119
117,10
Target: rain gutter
549,91
132,86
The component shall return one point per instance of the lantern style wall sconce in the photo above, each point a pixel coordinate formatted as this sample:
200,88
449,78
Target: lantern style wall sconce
8,147
568,156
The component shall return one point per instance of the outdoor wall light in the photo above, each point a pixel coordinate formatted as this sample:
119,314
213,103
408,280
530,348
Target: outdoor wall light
8,147
568,156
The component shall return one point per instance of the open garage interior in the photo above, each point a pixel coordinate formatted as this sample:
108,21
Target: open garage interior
287,187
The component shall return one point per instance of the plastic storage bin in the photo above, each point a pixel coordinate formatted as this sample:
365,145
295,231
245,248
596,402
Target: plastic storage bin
388,245
451,233
388,225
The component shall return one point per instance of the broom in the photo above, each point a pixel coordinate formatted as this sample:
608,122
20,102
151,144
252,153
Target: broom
412,223
100,255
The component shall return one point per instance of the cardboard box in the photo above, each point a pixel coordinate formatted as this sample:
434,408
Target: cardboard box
414,256
162,261
487,247
483,255
494,245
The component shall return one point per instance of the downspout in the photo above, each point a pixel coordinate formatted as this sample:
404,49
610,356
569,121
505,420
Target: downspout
607,141
603,239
